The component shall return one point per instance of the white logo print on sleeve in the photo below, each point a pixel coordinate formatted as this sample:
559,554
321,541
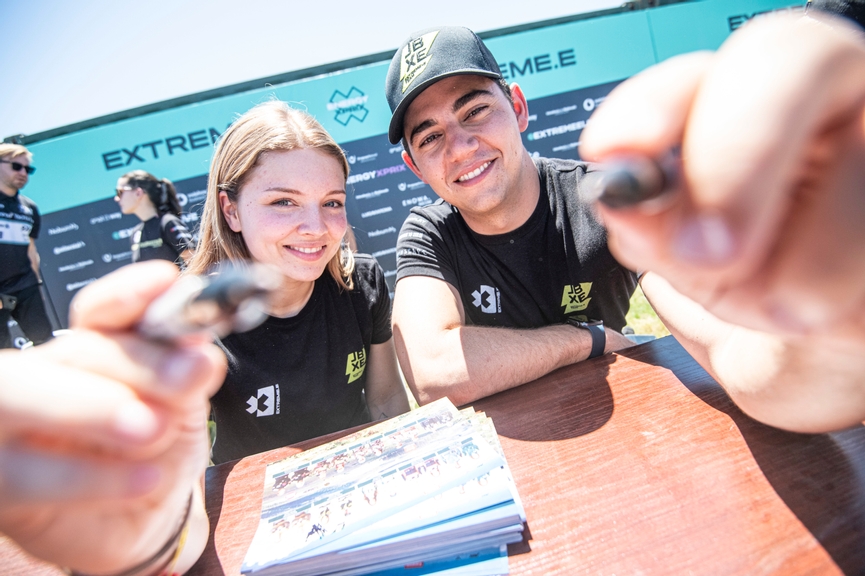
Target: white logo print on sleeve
487,299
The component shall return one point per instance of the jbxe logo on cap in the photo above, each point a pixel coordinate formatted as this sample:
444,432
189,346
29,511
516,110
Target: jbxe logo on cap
415,57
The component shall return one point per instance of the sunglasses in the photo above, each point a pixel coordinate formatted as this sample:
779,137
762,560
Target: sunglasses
18,167
119,192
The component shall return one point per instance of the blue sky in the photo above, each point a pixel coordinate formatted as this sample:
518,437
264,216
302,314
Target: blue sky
67,61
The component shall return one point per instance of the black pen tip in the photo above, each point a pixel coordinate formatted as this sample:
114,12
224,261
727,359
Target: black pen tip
627,182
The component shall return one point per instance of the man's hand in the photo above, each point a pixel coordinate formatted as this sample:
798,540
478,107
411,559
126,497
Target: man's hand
766,230
102,433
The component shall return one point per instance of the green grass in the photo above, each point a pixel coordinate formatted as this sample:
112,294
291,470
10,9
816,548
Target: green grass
642,318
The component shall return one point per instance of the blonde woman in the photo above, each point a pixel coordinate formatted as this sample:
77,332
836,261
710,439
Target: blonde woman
323,360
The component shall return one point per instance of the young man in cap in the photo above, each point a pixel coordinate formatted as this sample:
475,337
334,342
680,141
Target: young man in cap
19,261
509,277
494,282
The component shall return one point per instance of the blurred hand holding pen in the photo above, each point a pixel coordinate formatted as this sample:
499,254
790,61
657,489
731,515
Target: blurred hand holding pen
231,299
635,181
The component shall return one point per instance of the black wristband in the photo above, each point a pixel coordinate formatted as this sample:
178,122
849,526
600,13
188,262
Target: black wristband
599,335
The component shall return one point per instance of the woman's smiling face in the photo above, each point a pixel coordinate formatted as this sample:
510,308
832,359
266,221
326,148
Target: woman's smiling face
291,211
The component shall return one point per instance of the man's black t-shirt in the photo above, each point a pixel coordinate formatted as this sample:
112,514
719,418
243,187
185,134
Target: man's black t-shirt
19,222
554,266
296,378
160,238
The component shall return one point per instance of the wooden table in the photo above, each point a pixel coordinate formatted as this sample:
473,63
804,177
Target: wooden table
634,463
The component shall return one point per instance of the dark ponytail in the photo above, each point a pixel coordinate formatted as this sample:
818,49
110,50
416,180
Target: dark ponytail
161,193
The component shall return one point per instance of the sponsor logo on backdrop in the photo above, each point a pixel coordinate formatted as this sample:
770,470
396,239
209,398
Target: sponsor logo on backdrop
106,218
487,299
69,247
385,252
121,234
590,104
566,147
108,258
371,174
365,158
403,186
188,217
265,402
377,212
373,194
168,145
76,266
735,22
538,64
417,201
76,285
348,106
382,232
395,149
556,130
182,199
62,229
194,197
560,111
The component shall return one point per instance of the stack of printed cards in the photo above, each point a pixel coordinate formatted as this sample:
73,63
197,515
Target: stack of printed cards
427,492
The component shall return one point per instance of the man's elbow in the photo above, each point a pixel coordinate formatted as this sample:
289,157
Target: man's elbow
426,386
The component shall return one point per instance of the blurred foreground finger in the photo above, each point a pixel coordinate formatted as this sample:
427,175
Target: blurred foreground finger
28,477
118,300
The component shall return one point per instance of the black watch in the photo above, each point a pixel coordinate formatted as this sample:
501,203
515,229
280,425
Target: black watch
596,329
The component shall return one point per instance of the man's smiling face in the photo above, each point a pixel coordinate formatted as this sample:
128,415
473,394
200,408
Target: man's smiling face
464,138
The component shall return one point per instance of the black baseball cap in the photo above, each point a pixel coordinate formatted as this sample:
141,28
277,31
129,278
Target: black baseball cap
425,58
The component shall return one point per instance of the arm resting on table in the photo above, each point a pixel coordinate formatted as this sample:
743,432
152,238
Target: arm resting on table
441,356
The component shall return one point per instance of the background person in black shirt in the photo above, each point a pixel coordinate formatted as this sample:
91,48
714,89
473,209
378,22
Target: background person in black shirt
19,260
161,235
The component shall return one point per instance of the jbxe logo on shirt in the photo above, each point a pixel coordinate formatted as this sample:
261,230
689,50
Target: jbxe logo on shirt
265,403
355,365
575,298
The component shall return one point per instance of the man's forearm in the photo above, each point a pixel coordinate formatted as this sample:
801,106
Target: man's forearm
470,362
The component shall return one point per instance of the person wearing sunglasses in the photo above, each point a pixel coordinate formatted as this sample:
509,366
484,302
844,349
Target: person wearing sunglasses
20,297
161,234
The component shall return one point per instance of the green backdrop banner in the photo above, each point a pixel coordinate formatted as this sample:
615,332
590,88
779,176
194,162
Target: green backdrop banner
83,167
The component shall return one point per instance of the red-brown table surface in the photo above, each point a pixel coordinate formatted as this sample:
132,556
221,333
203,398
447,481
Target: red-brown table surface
632,463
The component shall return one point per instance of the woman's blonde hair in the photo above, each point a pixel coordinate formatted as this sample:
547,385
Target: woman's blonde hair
271,126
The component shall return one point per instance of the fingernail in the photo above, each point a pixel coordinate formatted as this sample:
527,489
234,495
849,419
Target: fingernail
135,420
179,368
705,239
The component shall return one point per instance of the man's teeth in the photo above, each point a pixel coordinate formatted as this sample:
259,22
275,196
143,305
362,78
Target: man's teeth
306,250
473,173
